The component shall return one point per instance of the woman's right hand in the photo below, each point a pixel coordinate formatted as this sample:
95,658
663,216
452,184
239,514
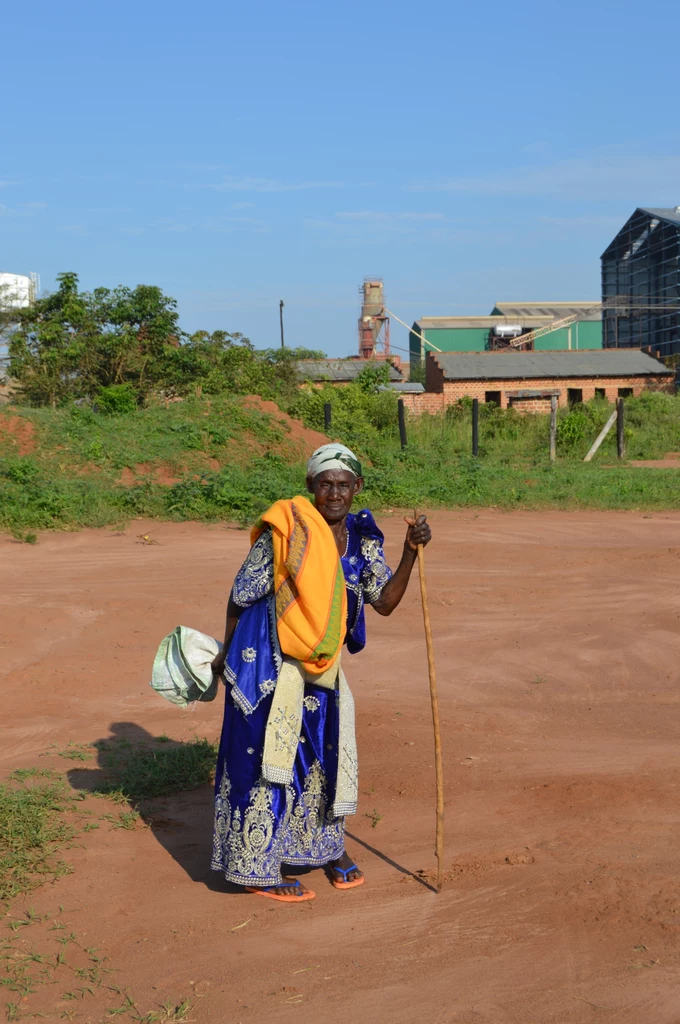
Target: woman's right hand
218,663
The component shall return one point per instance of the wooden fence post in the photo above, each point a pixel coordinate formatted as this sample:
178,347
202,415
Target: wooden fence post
553,427
327,416
402,423
475,426
620,441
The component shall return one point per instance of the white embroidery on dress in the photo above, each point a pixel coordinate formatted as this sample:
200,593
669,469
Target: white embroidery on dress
375,573
312,703
249,654
250,846
267,686
255,578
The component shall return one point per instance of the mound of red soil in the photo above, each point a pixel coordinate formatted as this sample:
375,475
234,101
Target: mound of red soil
19,432
159,474
306,438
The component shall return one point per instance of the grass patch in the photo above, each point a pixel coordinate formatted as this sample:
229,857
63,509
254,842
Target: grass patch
32,833
42,961
47,972
72,480
137,771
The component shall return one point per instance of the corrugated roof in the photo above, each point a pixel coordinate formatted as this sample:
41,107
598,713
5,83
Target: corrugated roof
553,310
671,213
438,323
405,387
340,369
537,365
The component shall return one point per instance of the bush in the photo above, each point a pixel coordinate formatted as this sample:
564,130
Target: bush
116,399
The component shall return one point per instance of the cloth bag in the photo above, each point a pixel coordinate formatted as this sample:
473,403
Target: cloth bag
182,669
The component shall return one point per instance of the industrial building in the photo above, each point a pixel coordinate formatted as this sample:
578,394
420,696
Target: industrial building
641,283
541,323
526,381
17,291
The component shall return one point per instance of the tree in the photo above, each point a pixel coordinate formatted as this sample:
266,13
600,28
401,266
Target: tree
71,344
120,346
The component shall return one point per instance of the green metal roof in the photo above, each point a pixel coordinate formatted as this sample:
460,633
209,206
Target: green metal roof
537,365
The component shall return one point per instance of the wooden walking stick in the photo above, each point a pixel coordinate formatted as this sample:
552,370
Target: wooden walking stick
439,771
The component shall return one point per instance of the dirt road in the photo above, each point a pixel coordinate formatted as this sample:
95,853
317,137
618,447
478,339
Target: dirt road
557,641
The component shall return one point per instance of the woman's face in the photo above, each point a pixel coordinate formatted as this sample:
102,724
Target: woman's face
334,491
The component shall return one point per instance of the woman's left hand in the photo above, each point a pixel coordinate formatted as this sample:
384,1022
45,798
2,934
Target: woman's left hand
418,532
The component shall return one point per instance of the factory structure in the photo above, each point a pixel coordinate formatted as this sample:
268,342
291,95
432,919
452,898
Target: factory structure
641,283
17,291
525,353
541,326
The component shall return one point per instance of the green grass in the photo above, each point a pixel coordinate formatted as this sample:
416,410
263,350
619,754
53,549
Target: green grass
72,479
138,771
35,801
33,831
39,952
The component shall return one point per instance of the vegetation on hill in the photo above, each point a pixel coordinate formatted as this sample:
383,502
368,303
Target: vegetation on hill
122,415
221,458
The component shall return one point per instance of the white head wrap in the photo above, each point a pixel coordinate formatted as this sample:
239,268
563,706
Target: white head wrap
333,456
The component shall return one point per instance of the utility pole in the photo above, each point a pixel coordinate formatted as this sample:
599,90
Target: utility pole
281,319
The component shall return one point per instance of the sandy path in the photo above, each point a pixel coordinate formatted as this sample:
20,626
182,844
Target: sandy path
557,648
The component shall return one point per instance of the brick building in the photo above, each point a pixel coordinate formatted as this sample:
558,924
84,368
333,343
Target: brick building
526,381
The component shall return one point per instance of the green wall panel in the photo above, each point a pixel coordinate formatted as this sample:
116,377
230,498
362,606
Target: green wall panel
586,334
472,339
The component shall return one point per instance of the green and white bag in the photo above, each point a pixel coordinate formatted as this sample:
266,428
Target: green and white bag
182,669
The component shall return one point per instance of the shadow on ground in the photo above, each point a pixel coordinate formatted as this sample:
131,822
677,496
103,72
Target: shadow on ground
181,821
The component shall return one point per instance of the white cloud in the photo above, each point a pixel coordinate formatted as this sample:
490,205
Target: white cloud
270,185
379,215
583,222
644,179
75,229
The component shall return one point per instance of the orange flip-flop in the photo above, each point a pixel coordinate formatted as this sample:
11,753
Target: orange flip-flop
303,897
344,872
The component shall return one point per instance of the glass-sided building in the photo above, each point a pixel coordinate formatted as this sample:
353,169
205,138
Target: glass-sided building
641,283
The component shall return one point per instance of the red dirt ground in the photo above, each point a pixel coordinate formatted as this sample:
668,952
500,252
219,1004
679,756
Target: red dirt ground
557,653
670,461
306,437
19,432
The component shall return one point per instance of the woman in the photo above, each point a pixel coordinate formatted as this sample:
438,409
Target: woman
286,772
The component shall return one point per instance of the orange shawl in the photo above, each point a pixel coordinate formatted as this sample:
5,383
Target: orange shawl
309,584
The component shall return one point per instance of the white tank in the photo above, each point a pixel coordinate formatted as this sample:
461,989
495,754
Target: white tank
507,330
18,290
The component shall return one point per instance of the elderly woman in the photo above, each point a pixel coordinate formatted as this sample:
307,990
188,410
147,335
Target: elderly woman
287,766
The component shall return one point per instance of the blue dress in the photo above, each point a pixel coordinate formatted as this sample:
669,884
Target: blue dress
260,825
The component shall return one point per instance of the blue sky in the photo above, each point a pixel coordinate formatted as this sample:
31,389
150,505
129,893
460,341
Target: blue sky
237,154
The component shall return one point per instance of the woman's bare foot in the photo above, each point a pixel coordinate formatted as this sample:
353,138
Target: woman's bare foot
291,890
345,876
